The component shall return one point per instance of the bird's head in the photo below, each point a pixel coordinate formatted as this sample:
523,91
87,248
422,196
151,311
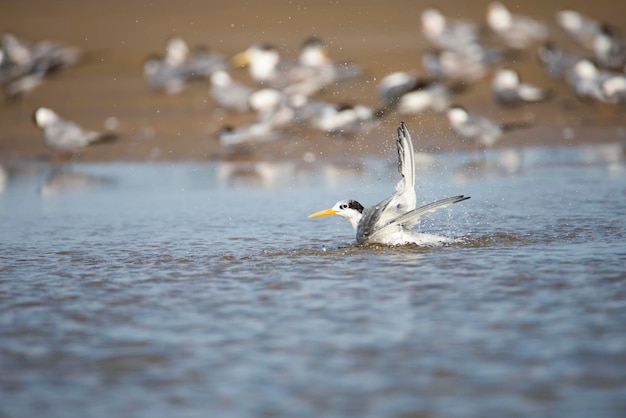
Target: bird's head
457,115
44,116
350,210
506,78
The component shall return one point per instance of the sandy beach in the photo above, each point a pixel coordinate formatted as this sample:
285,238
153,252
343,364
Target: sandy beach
117,36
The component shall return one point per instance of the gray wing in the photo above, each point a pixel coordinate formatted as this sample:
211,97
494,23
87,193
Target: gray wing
403,200
65,135
410,218
406,160
233,96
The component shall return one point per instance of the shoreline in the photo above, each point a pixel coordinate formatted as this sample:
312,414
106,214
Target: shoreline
109,82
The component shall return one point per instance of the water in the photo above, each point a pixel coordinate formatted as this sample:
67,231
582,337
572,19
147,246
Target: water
195,290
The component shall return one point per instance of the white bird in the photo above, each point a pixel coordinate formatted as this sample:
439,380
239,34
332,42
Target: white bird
229,93
508,90
556,61
589,82
478,130
66,136
460,68
203,62
232,95
268,68
614,89
178,66
408,94
308,74
390,221
430,95
162,76
344,118
24,65
169,73
446,33
395,85
582,28
516,31
251,133
323,71
585,80
609,49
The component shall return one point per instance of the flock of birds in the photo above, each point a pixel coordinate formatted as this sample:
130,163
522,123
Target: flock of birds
285,91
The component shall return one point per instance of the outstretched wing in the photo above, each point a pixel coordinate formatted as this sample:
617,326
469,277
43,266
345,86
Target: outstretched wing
406,163
410,218
403,200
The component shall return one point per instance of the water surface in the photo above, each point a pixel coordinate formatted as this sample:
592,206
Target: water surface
175,289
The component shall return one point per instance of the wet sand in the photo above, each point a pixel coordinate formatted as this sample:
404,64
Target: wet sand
382,37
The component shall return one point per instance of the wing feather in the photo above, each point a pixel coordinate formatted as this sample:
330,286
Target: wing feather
410,218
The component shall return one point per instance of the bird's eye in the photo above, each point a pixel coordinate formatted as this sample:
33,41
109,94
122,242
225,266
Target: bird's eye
343,206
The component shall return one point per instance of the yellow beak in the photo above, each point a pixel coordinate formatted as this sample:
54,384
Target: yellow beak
325,212
240,59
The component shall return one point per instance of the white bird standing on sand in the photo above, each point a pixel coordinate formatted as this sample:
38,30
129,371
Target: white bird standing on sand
508,90
343,118
589,82
585,80
408,94
609,49
614,88
459,68
228,93
516,31
308,74
390,221
480,131
169,73
582,28
24,65
556,61
323,70
66,136
448,34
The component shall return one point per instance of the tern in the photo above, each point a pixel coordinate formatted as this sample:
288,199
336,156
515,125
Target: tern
556,61
459,68
229,93
585,80
446,33
267,67
589,82
614,89
66,136
344,118
609,49
308,74
324,71
390,221
479,131
24,65
517,31
508,89
582,28
408,94
171,72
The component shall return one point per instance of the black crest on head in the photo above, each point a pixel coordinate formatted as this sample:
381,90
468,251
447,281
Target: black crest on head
353,204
